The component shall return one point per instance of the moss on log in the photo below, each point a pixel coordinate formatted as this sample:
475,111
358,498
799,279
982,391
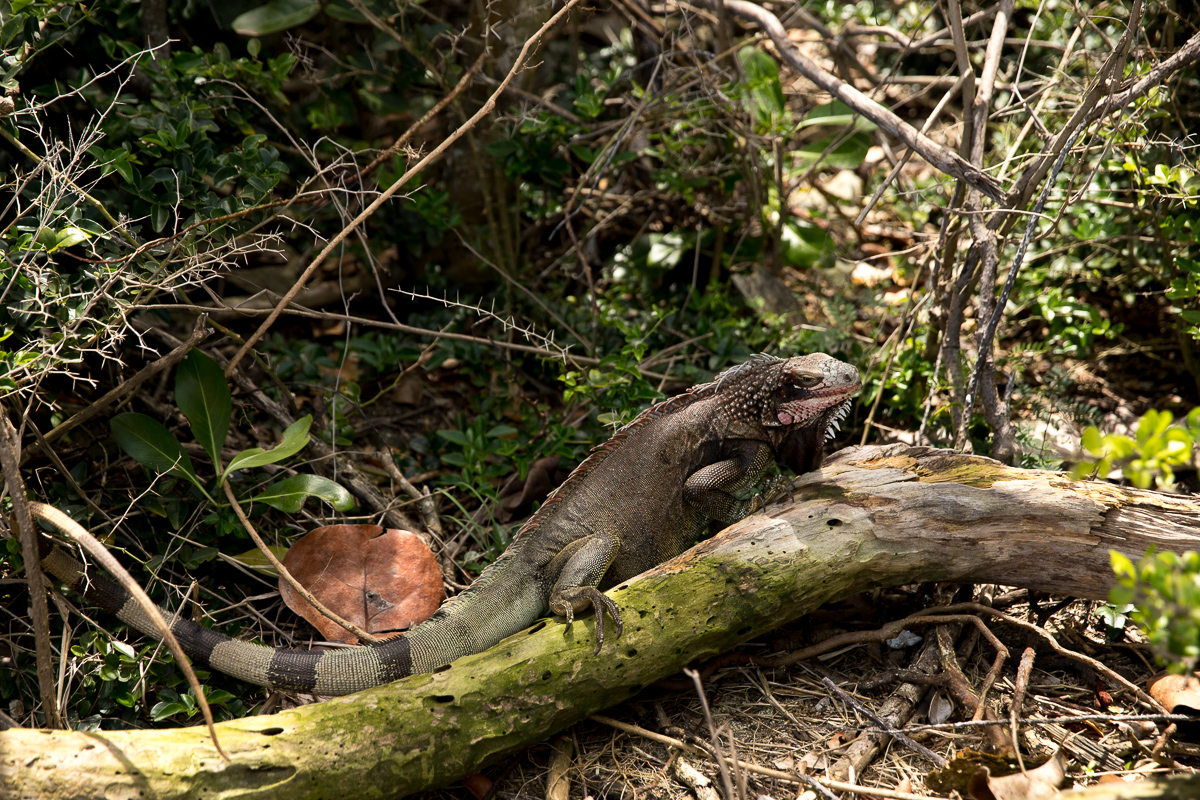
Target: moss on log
872,517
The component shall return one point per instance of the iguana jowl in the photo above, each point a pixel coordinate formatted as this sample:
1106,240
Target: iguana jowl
642,497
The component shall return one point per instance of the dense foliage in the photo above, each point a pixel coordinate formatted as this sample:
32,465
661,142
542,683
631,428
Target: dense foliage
616,231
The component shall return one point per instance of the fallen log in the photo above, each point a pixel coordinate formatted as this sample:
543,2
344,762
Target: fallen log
873,517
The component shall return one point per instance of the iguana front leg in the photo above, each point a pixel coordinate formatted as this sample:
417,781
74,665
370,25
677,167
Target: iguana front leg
714,490
580,568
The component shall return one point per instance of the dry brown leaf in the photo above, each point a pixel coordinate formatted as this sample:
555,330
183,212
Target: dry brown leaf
865,274
814,762
955,776
380,580
409,391
518,496
1040,782
479,785
940,708
1180,694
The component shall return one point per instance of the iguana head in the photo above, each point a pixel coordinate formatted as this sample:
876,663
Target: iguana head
811,391
813,388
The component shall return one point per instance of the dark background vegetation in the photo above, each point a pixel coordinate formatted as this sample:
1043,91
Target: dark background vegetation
619,228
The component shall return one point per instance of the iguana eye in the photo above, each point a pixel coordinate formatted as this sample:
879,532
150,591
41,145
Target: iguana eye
798,386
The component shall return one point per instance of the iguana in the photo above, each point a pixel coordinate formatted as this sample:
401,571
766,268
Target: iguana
642,497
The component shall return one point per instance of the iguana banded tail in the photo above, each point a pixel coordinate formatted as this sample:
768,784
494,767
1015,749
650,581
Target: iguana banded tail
642,497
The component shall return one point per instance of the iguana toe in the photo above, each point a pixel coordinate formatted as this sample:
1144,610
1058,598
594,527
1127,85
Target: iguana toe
606,605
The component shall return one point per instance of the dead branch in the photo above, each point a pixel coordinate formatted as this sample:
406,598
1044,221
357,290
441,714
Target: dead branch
873,517
938,156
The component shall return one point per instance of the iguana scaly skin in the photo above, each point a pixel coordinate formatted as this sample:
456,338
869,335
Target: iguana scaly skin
642,497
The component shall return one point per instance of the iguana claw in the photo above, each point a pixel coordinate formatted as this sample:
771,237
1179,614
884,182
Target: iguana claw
565,606
773,487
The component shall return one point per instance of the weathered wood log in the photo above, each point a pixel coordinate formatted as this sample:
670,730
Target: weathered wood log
1152,788
872,517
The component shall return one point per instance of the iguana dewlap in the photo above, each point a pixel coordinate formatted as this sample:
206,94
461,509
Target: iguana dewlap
642,497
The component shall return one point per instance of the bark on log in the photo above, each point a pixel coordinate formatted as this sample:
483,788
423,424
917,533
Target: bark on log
1152,788
872,517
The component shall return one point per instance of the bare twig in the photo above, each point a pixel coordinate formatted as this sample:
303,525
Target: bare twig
93,202
1019,195
938,156
73,530
777,774
200,332
1181,58
1058,648
960,687
22,523
712,732
1014,714
954,89
984,723
888,729
423,499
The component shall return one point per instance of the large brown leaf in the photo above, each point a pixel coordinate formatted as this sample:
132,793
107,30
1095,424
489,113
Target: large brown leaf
381,580
1179,694
1040,782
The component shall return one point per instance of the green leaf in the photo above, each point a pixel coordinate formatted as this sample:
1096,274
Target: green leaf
454,437
70,236
836,113
161,711
501,432
1118,446
666,249
803,243
762,79
275,16
1122,567
125,169
1121,595
849,154
1091,441
150,444
202,394
289,494
345,12
295,438
254,559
